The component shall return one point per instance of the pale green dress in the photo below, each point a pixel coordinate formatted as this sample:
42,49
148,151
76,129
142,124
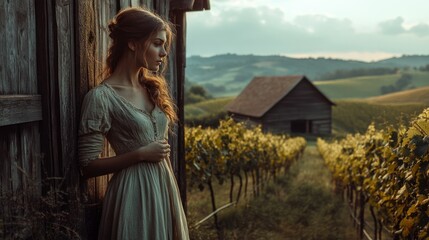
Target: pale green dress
141,201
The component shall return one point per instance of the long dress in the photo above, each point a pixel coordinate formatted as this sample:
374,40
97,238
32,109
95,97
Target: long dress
143,200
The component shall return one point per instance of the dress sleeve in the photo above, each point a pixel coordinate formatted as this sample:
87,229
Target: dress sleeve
94,125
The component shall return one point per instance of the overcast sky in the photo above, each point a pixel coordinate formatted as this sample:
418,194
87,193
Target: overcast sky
350,29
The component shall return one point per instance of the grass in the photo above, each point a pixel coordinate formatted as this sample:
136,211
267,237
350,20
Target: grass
368,86
209,107
355,116
418,95
301,204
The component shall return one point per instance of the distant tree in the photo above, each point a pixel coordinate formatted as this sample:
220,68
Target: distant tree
193,98
403,81
198,90
401,84
387,89
424,68
196,93
338,74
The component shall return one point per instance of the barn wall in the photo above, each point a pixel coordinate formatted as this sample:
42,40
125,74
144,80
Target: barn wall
52,53
20,115
304,102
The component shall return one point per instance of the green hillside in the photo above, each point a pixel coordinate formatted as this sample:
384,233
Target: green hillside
355,116
227,75
206,108
363,87
417,95
348,116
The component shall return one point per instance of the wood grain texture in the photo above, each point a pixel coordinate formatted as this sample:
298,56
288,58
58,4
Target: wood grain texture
3,47
11,85
15,109
20,112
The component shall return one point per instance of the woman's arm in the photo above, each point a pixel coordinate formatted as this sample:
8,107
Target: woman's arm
153,152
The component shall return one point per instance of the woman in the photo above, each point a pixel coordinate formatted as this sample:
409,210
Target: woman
133,109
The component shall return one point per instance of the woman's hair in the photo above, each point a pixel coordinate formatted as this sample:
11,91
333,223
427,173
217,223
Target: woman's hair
137,23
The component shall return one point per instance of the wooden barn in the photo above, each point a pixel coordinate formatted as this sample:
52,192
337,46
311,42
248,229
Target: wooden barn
284,104
51,54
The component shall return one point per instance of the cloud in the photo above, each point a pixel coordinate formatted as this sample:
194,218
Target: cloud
323,24
393,26
396,27
420,29
264,31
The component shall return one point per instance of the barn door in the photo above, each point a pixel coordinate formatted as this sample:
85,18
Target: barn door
20,115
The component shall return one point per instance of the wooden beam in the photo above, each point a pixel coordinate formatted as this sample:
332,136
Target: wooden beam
16,109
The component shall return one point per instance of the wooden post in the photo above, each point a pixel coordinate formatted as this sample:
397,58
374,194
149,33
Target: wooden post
180,21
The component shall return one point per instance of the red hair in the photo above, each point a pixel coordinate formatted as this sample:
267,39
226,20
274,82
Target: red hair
137,23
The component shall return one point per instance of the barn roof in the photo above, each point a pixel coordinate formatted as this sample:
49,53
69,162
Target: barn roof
262,93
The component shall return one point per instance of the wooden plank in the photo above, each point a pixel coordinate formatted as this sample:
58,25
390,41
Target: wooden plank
66,86
11,82
163,7
5,174
177,82
35,156
14,155
22,56
135,3
3,47
32,64
30,158
4,163
47,77
16,109
124,3
150,4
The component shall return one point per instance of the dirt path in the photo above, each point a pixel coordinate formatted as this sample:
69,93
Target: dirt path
313,210
301,205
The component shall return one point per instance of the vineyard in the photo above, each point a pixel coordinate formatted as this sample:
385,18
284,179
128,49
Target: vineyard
233,151
386,171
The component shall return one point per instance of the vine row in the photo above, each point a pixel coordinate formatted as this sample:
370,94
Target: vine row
389,170
234,151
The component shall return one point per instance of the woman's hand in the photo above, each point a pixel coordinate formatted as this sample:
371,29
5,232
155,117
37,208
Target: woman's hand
154,151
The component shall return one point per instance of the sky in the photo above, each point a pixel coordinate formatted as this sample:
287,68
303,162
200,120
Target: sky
366,30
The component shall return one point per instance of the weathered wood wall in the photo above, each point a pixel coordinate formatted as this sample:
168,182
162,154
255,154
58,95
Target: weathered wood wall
51,54
20,113
304,102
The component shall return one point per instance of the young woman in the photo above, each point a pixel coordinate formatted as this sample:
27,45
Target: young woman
133,109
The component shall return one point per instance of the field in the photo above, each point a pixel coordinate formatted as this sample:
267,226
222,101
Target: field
355,116
365,87
206,108
301,204
418,95
348,116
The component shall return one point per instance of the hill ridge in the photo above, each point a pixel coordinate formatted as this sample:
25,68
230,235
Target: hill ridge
228,74
416,95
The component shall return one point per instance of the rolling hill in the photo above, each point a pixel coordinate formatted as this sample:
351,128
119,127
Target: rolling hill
368,86
417,95
227,75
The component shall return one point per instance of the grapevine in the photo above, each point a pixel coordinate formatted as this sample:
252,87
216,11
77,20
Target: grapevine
234,150
389,169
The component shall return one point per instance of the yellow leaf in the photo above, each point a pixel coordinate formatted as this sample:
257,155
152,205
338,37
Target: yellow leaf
406,225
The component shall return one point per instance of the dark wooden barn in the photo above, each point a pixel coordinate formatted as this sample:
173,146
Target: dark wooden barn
284,104
51,54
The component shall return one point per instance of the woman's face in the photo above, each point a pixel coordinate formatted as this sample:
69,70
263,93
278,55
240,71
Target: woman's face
155,53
